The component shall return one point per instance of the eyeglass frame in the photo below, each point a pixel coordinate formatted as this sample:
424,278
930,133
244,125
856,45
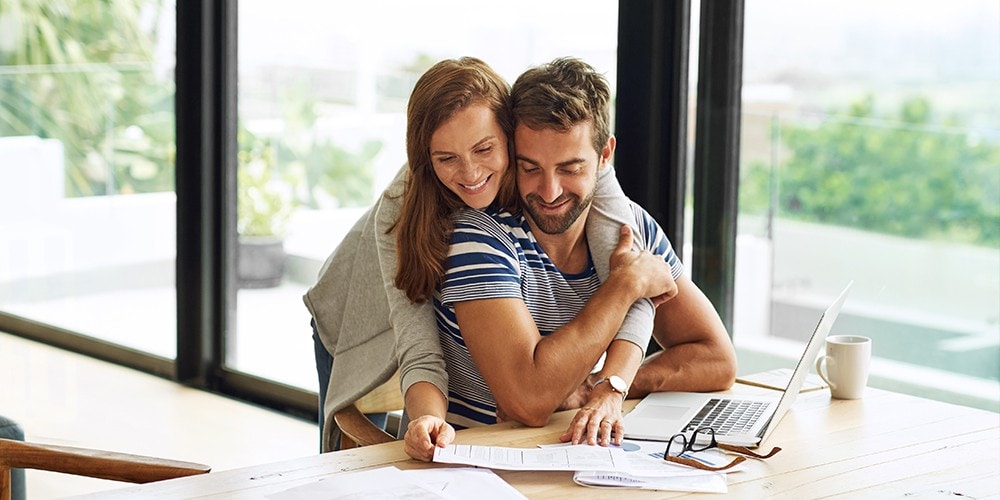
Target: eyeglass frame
693,447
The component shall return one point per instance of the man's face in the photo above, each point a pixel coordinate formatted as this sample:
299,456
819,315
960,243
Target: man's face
557,175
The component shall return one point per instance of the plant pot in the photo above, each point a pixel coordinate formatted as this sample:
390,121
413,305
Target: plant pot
260,261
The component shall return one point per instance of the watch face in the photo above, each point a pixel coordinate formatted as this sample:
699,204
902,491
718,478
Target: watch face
618,383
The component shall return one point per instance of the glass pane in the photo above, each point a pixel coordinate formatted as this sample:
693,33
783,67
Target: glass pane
869,153
87,240
322,100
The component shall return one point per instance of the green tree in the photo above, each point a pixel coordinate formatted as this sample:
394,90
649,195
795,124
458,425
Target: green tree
81,72
898,176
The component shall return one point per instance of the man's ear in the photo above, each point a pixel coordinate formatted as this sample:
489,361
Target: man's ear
607,152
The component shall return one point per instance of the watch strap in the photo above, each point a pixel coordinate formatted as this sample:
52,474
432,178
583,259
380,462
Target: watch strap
623,391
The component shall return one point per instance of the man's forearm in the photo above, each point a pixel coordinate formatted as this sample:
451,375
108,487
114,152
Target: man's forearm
564,358
691,367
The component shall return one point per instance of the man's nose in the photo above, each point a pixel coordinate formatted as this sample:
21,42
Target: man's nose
549,188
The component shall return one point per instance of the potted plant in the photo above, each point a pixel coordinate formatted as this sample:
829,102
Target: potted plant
264,207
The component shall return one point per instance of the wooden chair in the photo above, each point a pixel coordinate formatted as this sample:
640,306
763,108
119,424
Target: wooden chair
89,463
356,430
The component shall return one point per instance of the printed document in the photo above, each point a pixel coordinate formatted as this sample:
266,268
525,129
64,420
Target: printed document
651,472
579,457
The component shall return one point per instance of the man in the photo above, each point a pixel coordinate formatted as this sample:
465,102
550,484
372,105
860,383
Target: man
522,316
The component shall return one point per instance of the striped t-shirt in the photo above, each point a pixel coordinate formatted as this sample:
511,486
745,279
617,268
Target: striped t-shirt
494,255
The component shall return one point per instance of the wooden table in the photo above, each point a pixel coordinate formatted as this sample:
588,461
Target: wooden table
885,445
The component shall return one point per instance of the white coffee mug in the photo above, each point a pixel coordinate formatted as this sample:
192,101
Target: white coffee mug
845,365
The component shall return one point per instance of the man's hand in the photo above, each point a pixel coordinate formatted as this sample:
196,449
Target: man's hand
424,433
649,274
598,419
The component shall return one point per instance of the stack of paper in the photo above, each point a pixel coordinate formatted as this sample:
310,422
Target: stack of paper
649,471
636,464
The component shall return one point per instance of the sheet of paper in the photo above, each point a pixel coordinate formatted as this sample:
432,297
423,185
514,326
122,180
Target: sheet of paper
570,458
712,482
465,482
392,483
645,458
382,483
650,471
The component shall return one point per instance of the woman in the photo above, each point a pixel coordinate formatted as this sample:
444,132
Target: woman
458,125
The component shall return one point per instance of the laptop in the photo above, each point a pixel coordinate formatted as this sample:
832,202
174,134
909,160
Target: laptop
740,420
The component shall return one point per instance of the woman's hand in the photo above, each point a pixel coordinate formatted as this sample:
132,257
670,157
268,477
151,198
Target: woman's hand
424,433
649,274
598,420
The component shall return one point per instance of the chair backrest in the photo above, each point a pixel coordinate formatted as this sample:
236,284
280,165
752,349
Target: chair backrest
356,430
88,462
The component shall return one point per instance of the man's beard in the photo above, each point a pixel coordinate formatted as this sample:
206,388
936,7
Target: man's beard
556,224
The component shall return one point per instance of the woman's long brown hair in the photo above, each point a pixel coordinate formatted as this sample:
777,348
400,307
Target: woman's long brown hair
424,225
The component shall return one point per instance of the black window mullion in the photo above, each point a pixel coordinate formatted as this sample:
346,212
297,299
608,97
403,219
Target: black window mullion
205,145
717,152
651,108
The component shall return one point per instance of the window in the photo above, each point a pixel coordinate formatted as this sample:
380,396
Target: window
868,153
87,238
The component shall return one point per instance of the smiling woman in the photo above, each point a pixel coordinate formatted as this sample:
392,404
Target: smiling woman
458,121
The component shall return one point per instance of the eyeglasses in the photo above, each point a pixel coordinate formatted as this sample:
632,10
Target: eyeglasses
701,440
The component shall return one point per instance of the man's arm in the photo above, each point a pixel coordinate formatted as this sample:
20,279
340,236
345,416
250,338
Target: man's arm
530,375
697,354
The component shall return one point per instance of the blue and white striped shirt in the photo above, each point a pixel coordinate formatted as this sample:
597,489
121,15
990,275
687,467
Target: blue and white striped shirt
493,254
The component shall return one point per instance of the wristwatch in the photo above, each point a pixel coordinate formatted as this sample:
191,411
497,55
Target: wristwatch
617,384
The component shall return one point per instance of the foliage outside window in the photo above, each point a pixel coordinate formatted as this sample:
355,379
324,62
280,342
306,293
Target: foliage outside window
65,75
898,175
295,167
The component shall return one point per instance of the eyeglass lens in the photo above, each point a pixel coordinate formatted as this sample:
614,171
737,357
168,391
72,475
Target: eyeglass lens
701,440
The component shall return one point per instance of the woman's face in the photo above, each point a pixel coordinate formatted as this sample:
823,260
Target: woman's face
469,155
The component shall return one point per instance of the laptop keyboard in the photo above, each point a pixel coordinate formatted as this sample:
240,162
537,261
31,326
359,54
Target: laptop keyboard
728,416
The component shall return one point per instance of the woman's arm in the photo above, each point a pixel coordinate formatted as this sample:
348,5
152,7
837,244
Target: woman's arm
601,414
417,347
422,375
610,210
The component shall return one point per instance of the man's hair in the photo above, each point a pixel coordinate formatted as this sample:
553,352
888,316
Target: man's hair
561,94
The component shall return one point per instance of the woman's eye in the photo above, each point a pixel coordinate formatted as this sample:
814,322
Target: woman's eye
485,150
